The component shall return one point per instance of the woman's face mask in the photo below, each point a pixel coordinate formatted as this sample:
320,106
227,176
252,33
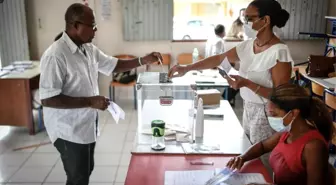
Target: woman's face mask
277,123
249,31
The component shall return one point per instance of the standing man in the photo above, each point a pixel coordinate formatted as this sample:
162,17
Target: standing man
215,44
69,91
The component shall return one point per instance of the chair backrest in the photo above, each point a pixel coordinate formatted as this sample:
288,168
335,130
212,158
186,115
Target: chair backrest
186,58
166,59
330,99
125,56
317,89
332,173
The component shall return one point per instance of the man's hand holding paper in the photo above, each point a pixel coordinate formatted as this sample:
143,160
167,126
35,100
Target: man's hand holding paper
116,111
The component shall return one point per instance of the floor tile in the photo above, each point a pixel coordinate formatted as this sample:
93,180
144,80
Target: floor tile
125,159
23,184
116,128
130,136
103,174
109,147
128,147
121,174
42,159
7,172
30,174
94,183
107,159
13,159
46,149
57,175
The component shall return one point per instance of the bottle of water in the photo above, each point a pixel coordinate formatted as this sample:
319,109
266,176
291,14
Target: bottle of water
195,55
199,125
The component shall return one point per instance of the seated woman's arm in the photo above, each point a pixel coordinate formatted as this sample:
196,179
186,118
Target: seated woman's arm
255,151
315,158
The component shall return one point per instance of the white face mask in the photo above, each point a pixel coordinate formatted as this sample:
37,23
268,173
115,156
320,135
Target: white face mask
249,32
277,123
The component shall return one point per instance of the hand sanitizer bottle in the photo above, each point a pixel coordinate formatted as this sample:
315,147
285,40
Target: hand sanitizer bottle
195,55
199,130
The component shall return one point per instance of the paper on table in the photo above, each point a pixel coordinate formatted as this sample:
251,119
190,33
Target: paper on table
241,178
221,175
196,177
116,111
198,148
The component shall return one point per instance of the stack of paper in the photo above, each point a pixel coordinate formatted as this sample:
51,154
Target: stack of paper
211,177
197,148
197,177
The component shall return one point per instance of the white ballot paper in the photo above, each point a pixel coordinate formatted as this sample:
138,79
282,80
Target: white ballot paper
228,68
211,177
116,111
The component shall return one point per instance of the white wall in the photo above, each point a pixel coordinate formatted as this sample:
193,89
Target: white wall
46,20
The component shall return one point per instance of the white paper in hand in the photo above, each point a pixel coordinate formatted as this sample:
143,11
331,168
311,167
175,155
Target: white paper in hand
116,111
226,65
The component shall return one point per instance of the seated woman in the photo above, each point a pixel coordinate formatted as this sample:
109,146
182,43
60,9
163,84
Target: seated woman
299,149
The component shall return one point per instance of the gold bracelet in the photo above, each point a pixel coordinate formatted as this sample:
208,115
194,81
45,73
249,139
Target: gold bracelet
257,89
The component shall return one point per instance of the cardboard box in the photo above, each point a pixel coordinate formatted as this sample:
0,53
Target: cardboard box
210,97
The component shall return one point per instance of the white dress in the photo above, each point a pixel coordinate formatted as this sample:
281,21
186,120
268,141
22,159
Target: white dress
257,68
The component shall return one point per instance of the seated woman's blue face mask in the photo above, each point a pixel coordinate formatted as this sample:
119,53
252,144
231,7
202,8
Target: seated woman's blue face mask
277,121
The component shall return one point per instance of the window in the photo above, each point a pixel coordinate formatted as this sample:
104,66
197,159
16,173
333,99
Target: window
196,19
152,20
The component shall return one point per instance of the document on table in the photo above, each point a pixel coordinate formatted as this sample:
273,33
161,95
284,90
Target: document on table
211,177
195,177
197,148
234,178
116,111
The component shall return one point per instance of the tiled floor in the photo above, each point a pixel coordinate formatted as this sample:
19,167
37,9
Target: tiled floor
42,165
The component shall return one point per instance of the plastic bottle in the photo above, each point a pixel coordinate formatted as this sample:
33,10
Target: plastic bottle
195,55
199,130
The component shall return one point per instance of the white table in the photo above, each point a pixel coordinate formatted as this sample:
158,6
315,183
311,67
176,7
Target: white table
226,132
320,81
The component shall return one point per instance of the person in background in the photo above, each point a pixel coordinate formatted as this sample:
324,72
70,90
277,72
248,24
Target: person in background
299,152
215,44
265,62
69,91
237,28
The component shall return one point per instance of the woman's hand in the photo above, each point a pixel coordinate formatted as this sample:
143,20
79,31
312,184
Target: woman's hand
180,70
236,82
235,163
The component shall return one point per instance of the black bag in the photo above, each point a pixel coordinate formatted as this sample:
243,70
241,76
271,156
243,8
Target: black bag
125,77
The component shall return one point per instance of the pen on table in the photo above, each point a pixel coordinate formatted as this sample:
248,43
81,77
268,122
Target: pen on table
201,163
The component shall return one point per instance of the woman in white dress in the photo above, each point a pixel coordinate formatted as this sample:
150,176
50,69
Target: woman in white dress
265,62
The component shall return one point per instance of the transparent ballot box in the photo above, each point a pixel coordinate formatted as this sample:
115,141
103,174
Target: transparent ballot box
170,102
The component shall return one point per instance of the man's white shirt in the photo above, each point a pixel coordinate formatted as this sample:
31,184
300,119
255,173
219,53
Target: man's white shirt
214,46
67,70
